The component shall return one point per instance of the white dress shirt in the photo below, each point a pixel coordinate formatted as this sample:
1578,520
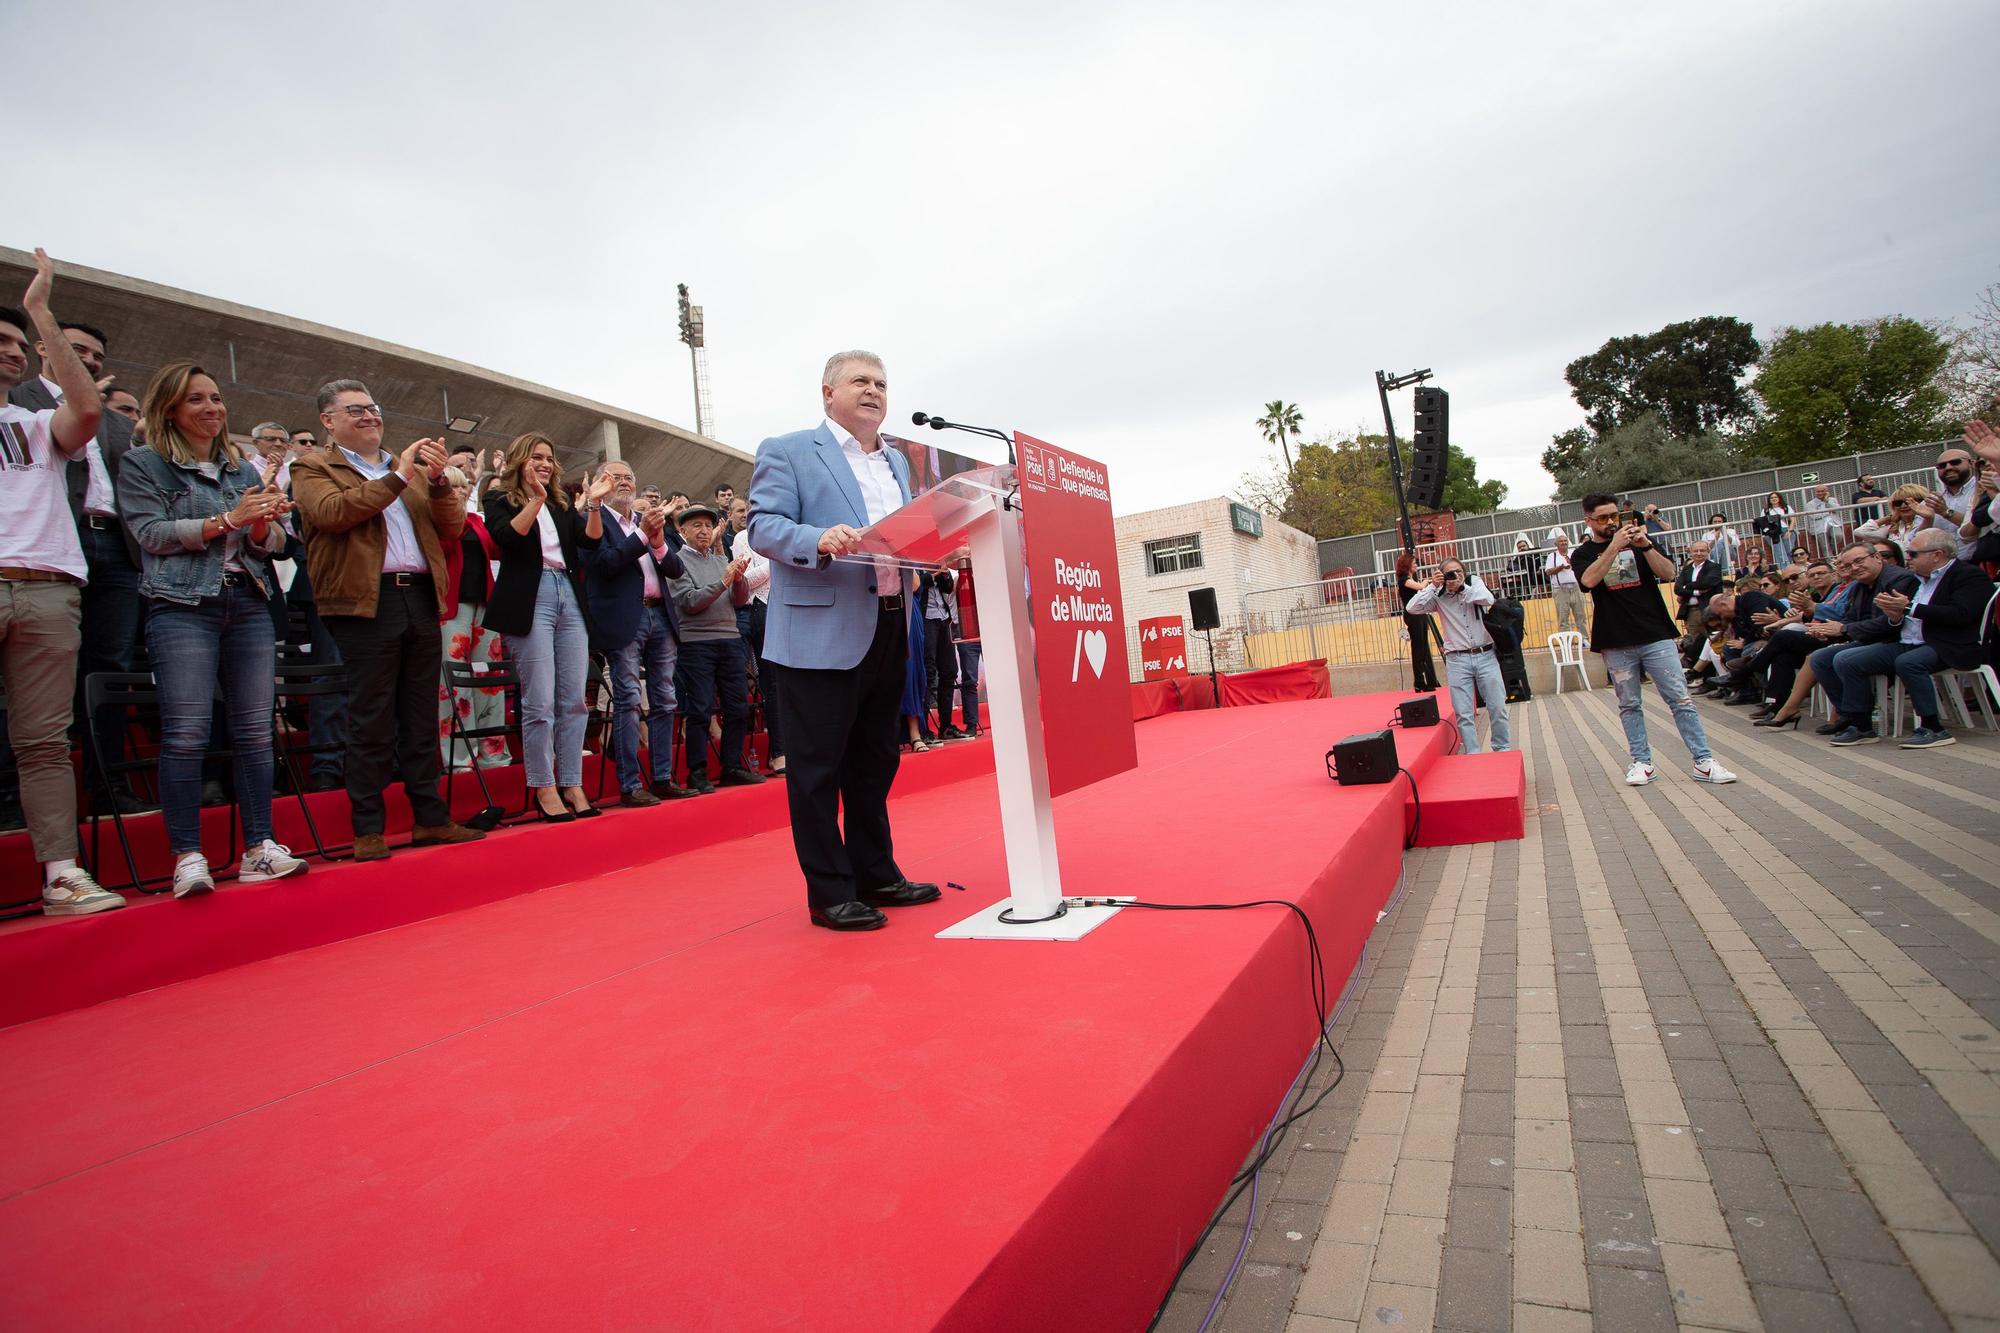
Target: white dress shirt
756,574
880,496
629,526
98,498
1913,628
403,554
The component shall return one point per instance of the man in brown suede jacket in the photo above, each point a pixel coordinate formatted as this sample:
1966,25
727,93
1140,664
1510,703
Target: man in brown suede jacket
375,525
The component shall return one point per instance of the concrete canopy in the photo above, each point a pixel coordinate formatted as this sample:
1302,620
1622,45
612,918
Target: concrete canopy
271,365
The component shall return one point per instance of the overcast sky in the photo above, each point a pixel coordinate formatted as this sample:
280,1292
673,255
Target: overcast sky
1120,228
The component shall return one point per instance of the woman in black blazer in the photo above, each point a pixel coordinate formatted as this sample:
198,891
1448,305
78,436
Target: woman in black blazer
537,605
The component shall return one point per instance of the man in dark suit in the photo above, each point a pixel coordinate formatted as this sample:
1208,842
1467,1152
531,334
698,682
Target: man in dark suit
111,605
838,634
1928,628
632,622
1871,573
1696,585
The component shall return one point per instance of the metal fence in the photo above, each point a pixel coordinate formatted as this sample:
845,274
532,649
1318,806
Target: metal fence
1683,504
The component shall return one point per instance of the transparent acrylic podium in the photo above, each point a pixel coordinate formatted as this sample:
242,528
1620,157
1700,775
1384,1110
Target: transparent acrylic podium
975,513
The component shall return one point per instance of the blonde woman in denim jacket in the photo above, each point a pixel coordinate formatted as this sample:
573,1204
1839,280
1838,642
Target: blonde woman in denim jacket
206,525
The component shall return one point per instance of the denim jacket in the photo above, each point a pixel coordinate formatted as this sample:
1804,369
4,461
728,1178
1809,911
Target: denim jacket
164,505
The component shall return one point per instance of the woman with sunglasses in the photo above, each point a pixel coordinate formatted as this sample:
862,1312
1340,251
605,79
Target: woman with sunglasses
1904,520
207,526
537,603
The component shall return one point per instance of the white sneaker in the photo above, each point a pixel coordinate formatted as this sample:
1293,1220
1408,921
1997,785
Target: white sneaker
270,861
1639,775
1712,772
191,876
75,893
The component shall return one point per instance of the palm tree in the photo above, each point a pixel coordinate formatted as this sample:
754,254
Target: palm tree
1281,419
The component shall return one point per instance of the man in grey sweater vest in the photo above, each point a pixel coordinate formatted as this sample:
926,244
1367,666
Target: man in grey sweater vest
712,660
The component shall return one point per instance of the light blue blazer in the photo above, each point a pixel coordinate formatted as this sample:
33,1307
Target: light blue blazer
822,612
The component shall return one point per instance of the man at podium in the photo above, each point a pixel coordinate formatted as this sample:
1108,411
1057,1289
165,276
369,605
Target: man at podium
837,631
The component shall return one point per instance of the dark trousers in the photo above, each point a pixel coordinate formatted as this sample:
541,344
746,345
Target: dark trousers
941,661
1423,669
1780,659
969,653
751,621
842,727
394,660
712,668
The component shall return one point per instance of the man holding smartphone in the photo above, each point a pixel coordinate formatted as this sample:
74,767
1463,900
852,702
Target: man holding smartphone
1470,665
1623,571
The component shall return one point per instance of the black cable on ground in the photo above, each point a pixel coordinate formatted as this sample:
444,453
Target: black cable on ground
1417,816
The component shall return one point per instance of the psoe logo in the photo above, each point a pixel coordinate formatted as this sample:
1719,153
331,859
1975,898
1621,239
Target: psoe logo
1038,468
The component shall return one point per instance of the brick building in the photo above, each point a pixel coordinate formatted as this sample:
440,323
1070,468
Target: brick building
1219,544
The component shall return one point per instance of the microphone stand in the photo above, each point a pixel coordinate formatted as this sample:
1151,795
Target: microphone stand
939,423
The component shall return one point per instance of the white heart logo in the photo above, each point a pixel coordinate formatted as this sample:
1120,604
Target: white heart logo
1095,645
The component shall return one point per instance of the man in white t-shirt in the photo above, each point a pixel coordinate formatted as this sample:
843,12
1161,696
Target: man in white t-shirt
42,573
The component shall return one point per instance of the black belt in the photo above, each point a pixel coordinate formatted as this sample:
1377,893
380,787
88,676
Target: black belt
893,602
405,580
236,578
1467,652
654,601
102,522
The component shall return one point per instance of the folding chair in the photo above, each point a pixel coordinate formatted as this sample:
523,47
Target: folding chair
305,680
460,677
1566,651
127,691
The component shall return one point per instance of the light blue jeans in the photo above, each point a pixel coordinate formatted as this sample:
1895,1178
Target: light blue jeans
227,638
1662,661
554,658
1465,672
651,653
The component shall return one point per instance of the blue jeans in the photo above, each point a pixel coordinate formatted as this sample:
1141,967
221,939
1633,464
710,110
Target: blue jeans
1466,672
1662,661
229,637
654,650
1912,663
553,658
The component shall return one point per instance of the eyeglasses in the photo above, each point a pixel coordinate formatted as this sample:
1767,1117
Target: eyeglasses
361,411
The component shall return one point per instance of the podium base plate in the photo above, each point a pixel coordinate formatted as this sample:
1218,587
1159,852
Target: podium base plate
987,925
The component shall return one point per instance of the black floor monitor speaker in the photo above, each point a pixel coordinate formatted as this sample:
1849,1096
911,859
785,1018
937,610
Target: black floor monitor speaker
1202,610
1367,758
1417,712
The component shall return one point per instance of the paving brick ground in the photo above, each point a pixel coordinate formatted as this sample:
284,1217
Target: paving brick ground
1683,1058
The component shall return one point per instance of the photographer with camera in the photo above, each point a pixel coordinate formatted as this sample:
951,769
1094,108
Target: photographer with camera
1459,601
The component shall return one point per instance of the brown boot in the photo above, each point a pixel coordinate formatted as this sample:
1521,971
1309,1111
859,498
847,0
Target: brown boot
439,835
370,847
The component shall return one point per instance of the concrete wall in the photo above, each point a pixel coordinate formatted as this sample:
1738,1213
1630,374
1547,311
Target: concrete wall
1232,562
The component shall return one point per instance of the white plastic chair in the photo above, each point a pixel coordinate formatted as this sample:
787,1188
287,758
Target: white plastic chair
1985,685
1566,651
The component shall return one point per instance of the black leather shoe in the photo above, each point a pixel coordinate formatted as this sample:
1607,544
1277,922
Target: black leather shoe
849,916
904,894
671,791
1827,729
740,777
700,787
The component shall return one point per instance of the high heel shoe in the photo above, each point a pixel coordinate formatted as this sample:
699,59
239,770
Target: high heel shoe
1775,722
563,817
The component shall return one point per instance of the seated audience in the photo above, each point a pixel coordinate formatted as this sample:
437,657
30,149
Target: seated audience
1935,626
713,666
207,524
537,604
632,622
1905,517
468,573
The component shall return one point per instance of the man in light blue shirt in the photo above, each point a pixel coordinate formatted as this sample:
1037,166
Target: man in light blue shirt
1459,602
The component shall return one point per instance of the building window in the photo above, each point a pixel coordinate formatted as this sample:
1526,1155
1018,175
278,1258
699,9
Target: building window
1172,555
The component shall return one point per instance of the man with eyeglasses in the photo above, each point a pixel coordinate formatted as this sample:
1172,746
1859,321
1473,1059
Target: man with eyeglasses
374,525
1623,570
1870,574
1935,627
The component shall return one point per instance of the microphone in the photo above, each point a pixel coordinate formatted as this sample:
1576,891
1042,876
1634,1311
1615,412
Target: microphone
939,423
926,419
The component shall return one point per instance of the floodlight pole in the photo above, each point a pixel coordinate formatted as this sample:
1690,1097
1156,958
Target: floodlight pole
1384,382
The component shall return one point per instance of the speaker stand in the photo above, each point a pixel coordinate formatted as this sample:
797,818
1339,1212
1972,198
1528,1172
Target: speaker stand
1213,687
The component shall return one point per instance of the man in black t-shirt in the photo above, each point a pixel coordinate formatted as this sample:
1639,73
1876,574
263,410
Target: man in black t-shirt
1623,570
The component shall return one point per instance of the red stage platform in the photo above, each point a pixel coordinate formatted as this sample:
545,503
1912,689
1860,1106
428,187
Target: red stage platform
649,1094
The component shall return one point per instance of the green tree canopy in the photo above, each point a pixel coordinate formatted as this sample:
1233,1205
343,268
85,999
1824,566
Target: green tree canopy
1687,373
1339,485
1645,453
1849,388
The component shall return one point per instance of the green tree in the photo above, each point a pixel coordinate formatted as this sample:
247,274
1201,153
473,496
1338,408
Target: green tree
1849,388
1281,420
1464,493
1568,455
1645,453
1688,373
1340,485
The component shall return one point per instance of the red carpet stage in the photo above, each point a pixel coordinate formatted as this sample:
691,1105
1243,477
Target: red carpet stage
611,1087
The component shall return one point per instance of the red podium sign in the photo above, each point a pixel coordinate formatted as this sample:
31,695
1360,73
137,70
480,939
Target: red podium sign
1162,647
1081,670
